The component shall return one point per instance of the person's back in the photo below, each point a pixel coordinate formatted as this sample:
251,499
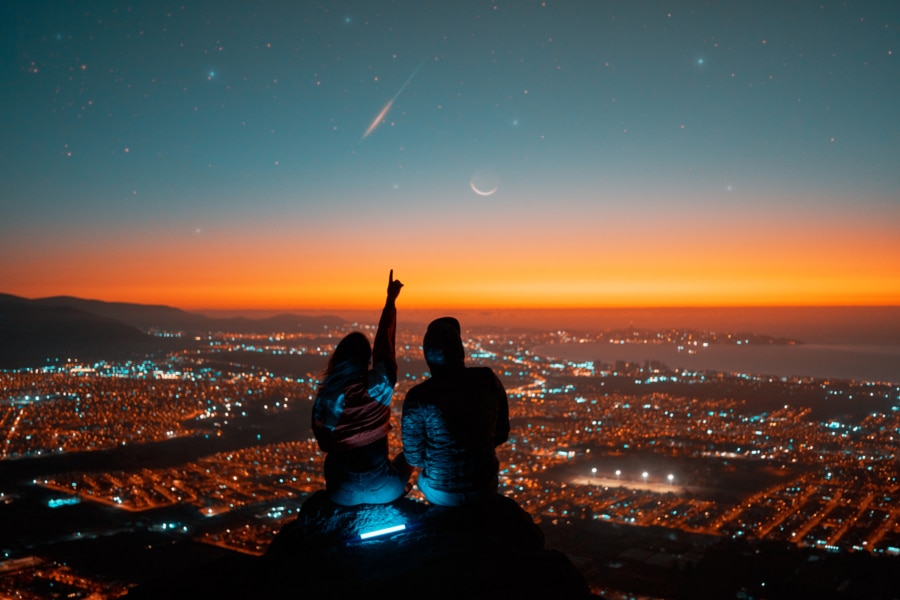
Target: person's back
453,421
351,415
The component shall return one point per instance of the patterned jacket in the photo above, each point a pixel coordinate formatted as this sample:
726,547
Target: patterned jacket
451,425
360,414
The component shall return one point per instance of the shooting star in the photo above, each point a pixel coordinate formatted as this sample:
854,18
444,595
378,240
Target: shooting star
387,107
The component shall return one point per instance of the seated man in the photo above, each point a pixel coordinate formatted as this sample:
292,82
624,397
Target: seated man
453,421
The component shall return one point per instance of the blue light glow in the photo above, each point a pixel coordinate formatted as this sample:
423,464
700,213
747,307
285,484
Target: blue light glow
385,531
57,502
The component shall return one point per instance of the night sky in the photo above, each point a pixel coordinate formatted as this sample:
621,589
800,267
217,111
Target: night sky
286,155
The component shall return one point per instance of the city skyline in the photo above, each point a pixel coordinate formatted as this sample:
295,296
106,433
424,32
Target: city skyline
495,155
205,449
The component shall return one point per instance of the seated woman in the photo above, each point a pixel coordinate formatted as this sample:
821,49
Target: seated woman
352,412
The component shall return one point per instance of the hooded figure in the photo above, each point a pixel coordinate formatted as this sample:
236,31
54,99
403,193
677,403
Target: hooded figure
453,422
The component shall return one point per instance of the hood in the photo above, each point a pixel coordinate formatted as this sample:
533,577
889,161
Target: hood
443,345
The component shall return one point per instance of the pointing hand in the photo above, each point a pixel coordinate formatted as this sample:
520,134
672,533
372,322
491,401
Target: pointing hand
394,285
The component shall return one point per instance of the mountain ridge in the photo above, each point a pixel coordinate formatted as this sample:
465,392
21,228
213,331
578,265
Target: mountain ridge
169,318
34,331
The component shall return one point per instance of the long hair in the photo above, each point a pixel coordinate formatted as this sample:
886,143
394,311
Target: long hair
348,363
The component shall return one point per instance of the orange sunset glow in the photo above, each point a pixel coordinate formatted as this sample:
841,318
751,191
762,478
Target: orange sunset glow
564,267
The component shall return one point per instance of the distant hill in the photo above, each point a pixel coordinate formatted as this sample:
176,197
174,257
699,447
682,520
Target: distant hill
153,316
35,331
31,334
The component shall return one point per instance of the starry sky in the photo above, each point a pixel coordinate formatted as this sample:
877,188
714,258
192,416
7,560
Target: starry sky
287,155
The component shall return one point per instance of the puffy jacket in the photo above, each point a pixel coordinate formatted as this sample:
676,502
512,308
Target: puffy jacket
451,425
360,413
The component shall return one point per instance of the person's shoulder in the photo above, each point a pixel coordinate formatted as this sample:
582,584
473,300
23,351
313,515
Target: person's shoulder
481,371
418,389
481,374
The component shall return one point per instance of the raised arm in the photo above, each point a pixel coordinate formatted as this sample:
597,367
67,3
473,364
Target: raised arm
383,349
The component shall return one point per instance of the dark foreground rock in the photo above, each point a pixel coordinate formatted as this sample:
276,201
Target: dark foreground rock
490,551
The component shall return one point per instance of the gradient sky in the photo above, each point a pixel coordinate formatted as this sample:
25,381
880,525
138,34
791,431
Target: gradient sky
213,154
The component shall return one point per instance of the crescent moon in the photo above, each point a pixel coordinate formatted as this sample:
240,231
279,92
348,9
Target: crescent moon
481,192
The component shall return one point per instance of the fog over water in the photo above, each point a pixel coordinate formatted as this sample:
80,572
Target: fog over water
861,343
863,363
875,325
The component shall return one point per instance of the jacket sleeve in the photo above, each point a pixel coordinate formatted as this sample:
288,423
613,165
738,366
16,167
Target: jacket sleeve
327,409
326,413
412,431
384,358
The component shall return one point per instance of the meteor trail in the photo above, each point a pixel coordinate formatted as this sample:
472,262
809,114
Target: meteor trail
387,107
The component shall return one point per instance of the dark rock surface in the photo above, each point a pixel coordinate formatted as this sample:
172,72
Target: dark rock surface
490,551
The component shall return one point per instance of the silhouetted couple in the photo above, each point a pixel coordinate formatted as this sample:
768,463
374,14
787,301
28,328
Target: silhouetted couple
451,423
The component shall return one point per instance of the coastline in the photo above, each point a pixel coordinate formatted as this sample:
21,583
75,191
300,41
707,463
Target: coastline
871,363
878,325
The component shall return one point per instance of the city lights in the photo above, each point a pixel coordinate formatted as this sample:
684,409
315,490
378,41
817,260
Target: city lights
581,449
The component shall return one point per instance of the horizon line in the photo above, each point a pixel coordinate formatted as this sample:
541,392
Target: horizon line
537,308
469,308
